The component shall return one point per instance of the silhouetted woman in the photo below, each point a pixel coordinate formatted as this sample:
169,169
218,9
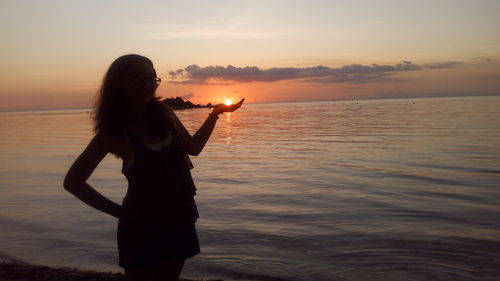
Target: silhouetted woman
156,228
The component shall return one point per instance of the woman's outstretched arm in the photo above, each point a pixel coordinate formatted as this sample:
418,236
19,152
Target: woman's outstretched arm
195,144
76,179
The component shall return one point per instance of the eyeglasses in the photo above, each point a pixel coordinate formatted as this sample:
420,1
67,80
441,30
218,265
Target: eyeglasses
145,78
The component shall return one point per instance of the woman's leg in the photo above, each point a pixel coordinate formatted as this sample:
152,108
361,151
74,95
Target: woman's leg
137,275
169,271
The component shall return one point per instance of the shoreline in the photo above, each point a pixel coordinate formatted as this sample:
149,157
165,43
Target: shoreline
18,271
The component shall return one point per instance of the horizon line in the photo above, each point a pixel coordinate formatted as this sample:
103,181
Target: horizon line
34,109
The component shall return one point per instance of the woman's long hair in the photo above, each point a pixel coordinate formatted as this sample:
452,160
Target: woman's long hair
113,111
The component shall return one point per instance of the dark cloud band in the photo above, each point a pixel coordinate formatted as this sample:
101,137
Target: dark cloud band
355,73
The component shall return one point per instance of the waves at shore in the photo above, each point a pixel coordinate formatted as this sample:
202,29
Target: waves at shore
10,271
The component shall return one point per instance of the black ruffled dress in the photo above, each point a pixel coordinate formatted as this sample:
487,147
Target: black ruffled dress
161,191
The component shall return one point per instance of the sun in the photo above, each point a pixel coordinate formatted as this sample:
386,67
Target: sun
228,102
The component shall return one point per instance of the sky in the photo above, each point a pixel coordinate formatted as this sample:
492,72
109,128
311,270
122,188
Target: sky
53,54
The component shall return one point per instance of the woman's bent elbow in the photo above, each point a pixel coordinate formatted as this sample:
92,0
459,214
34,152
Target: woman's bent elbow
194,151
69,184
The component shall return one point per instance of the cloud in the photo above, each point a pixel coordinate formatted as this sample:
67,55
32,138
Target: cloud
484,59
354,73
446,64
177,72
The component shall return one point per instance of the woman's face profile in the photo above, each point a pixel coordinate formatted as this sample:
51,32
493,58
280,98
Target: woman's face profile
139,82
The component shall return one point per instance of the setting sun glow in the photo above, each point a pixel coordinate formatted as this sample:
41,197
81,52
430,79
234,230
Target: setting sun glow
228,102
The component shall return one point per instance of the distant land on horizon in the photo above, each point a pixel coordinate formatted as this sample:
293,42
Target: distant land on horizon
179,103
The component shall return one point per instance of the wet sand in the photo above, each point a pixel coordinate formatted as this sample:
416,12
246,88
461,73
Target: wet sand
13,271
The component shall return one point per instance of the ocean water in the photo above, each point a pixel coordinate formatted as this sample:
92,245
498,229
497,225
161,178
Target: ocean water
404,189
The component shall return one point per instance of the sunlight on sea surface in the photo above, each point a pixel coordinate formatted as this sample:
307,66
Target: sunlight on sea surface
351,190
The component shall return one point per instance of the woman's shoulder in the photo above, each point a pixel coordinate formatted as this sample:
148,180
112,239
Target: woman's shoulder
167,108
169,112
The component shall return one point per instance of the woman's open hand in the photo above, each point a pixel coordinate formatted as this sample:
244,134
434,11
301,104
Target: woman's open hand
221,108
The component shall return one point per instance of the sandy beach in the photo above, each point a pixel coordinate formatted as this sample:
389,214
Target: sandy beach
14,271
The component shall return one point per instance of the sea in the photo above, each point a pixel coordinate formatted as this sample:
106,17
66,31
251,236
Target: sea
401,189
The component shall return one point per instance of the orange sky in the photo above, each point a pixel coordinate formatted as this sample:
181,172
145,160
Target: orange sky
54,53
